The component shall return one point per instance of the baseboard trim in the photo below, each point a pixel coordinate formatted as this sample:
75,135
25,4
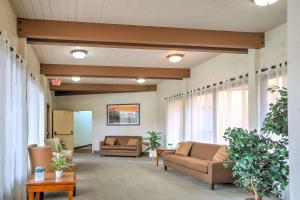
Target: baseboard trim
82,146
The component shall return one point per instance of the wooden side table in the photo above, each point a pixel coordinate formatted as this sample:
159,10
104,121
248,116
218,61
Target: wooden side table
52,184
159,152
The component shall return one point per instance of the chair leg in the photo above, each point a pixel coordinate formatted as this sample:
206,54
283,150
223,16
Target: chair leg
166,168
212,186
42,195
74,191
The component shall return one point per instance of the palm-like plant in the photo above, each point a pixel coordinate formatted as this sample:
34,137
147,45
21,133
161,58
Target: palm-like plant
59,163
153,140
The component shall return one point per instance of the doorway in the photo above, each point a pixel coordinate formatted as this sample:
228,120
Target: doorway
74,128
83,130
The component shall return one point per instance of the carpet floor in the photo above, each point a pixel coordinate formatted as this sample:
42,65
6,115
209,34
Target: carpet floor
118,178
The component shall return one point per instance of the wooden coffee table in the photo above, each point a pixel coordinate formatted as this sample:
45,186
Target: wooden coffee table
51,184
159,152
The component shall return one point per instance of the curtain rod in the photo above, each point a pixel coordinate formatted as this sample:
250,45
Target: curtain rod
263,69
12,49
207,86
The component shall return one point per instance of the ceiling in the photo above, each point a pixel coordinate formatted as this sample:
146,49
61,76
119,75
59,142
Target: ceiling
235,15
51,54
108,80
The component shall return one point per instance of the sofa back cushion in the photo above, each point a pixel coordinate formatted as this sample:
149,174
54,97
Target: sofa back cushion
123,140
221,154
52,143
110,141
184,148
204,151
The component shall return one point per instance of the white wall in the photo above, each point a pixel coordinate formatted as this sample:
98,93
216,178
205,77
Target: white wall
97,104
294,95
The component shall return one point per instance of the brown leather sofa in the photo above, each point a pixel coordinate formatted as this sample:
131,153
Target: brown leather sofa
199,164
121,148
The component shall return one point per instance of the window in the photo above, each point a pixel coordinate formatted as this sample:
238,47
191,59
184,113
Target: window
231,108
199,117
174,121
269,79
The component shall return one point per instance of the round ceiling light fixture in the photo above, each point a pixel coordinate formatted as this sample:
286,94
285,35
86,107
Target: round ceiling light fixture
140,80
75,78
79,53
174,58
264,2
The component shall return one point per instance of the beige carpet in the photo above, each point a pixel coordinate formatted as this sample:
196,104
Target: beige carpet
117,178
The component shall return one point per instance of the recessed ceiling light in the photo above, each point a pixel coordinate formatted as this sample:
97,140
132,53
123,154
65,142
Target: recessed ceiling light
141,80
264,2
174,58
79,53
75,78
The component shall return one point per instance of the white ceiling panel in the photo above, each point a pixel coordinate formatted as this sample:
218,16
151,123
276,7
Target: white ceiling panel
51,54
238,15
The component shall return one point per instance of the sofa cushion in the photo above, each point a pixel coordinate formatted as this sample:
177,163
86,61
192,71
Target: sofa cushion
133,141
110,141
221,154
184,148
52,143
110,147
204,151
189,162
133,148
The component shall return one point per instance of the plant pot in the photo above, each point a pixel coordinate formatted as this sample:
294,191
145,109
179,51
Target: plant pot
58,174
258,197
152,153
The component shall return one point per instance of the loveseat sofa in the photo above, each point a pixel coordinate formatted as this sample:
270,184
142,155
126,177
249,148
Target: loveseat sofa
200,164
121,147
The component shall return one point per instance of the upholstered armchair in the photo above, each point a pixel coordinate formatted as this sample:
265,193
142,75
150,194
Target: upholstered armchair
68,154
40,156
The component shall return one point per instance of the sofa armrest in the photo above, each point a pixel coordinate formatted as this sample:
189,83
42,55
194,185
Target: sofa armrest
101,144
139,149
218,173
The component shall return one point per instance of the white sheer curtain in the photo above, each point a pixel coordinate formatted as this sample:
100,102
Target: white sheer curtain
199,117
174,121
13,123
36,111
231,107
273,77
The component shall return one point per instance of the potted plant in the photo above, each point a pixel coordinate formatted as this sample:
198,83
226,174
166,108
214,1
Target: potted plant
152,142
59,163
259,162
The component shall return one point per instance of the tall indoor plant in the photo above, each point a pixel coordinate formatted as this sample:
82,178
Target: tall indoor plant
152,141
259,161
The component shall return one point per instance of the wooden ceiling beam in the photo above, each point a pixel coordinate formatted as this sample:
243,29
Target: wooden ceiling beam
78,88
114,72
131,36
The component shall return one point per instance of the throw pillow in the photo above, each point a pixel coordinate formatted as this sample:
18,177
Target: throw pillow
133,142
110,141
221,154
184,148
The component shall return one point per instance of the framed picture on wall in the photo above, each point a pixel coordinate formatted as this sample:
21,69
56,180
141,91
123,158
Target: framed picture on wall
123,114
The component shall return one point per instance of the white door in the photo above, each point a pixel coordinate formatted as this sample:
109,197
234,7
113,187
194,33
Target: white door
63,127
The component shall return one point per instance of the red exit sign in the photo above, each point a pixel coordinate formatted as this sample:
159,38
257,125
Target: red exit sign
56,82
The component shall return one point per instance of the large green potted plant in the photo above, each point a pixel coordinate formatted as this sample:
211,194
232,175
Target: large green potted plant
152,141
259,162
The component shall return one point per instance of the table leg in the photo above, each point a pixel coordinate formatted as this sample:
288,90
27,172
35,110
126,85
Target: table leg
157,157
31,194
70,195
37,195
